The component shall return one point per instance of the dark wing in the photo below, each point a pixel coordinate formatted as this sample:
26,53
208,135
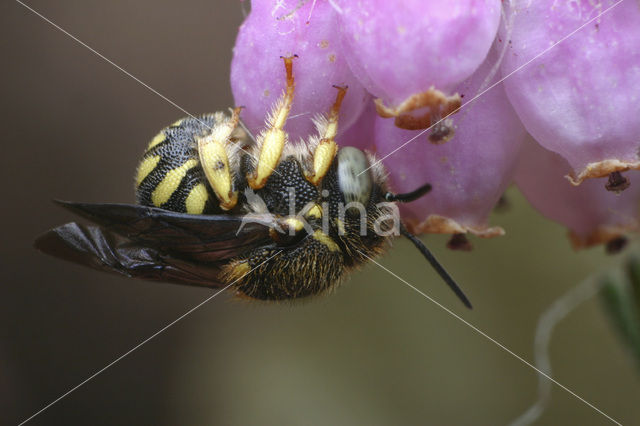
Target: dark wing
203,237
103,250
154,244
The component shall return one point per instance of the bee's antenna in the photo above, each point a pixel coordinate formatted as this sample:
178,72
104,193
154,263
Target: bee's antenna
409,196
436,265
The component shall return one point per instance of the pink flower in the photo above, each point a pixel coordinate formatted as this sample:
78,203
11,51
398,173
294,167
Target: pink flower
581,98
571,75
274,29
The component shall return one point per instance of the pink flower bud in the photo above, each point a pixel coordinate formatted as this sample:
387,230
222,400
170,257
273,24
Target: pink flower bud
468,174
581,97
284,28
593,215
412,54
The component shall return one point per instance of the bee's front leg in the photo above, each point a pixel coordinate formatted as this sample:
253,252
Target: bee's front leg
271,141
327,148
214,151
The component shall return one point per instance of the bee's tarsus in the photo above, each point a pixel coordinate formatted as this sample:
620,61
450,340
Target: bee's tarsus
409,196
448,279
327,149
272,141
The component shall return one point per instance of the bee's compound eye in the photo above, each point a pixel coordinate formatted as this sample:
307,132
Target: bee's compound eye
354,178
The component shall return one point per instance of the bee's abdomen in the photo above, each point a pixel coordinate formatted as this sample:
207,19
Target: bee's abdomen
169,175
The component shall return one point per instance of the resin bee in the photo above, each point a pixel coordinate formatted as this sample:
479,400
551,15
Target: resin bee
217,208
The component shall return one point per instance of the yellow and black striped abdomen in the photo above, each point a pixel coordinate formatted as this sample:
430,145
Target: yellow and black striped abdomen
170,176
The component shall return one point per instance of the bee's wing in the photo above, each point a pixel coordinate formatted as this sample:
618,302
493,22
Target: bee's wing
100,249
206,237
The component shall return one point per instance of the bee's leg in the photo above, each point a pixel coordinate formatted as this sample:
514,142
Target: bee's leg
327,147
214,151
272,140
311,267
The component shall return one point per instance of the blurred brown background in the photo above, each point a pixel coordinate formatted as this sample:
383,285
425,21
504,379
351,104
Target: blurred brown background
376,352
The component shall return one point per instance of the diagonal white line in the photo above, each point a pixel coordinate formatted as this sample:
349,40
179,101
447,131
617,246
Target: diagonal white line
549,319
59,28
67,33
124,355
500,345
498,82
226,287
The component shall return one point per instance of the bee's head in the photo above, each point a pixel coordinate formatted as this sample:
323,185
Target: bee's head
357,178
357,175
